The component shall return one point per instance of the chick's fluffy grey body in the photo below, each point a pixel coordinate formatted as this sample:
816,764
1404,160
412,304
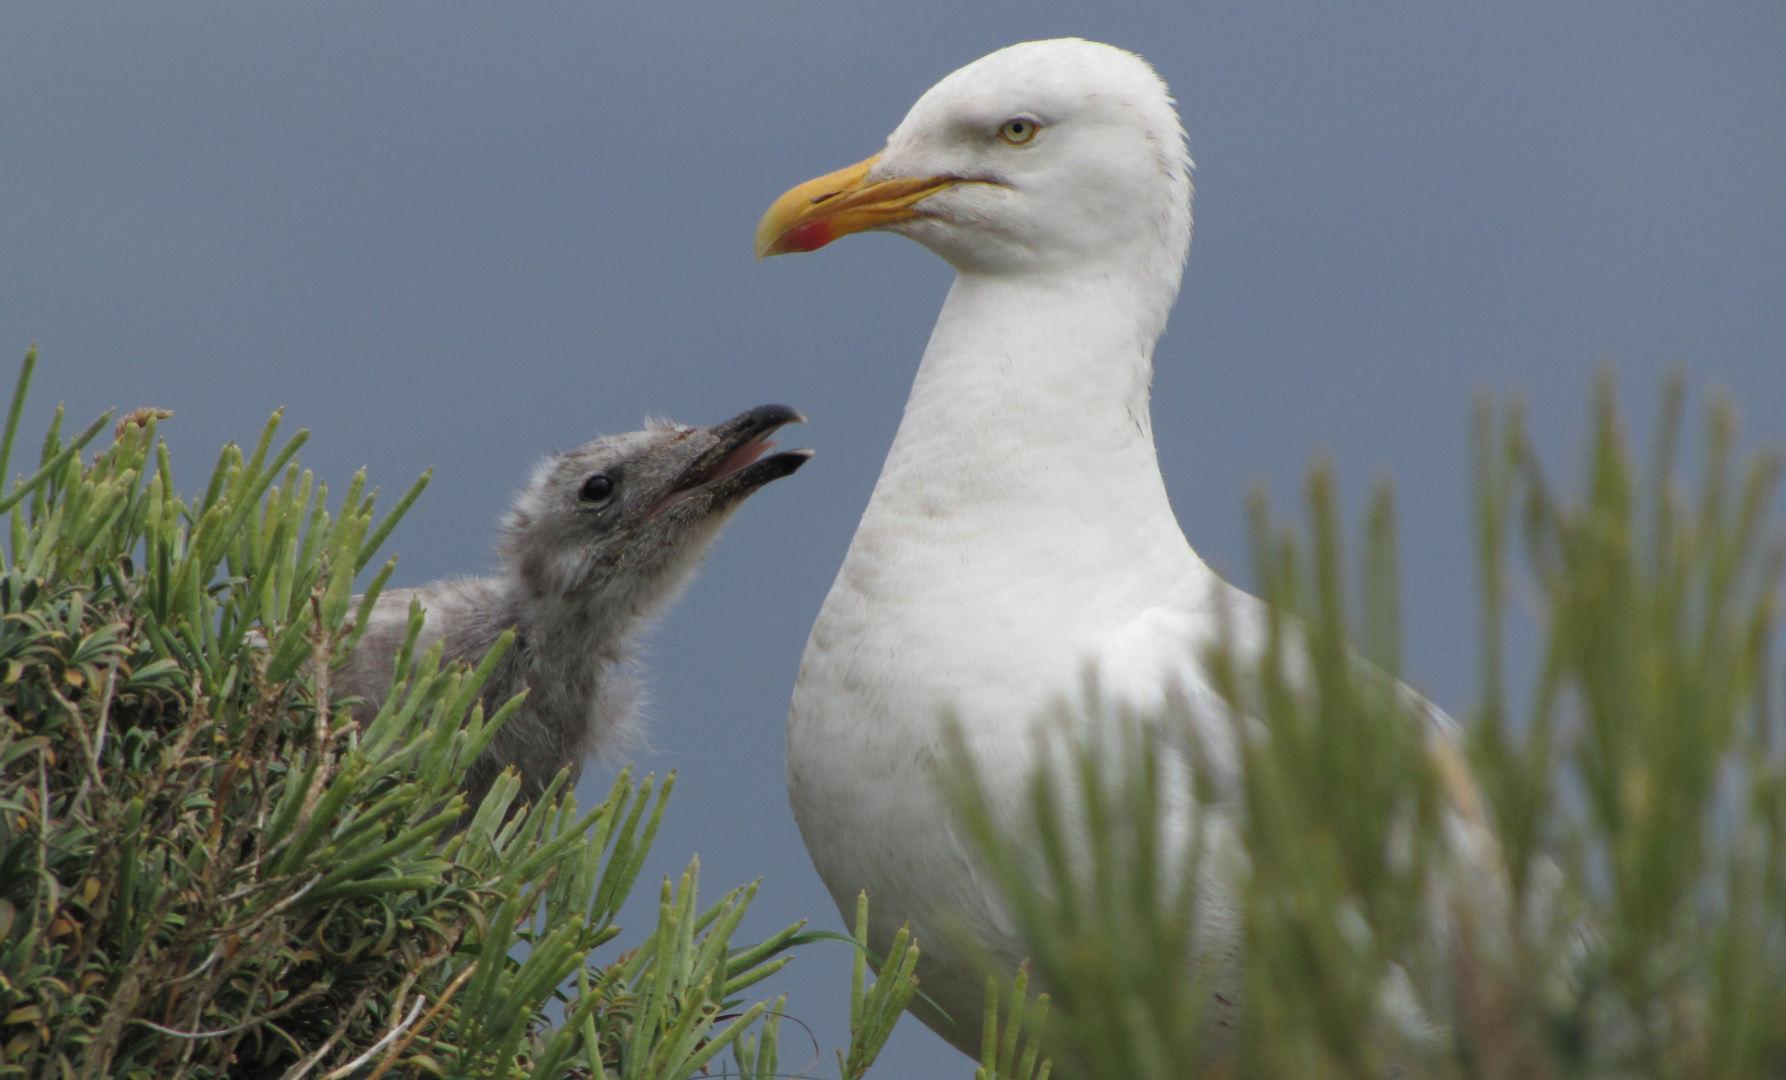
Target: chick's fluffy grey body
597,545
583,693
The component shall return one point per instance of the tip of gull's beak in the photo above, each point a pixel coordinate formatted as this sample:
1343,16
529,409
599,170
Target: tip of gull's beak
782,237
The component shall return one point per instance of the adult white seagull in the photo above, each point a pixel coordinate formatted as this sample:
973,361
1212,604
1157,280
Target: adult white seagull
1020,532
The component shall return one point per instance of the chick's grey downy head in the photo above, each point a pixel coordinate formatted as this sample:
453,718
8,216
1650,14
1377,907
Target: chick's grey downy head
623,521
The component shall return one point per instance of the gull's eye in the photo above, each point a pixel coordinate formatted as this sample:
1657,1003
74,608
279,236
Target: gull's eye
596,488
1018,130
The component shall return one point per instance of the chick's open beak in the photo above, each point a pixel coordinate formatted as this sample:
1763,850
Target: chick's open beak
819,211
739,462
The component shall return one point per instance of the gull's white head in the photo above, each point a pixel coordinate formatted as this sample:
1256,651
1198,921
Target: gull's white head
1050,156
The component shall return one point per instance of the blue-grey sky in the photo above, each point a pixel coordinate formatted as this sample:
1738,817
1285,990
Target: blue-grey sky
459,235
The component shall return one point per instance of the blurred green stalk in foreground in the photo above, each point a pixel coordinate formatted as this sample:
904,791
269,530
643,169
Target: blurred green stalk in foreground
1592,885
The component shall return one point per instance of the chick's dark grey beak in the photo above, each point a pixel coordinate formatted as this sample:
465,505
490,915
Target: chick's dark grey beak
735,465
755,423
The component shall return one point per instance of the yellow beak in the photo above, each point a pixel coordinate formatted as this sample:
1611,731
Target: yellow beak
837,204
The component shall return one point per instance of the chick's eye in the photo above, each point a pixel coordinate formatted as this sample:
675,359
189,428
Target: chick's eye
596,488
1018,130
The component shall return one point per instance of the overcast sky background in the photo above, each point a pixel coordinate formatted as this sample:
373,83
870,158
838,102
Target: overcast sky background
460,235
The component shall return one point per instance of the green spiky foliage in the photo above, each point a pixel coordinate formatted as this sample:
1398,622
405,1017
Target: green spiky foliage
1011,1042
207,869
1591,885
1649,764
1102,888
876,1008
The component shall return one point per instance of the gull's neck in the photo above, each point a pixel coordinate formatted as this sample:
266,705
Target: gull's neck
1027,437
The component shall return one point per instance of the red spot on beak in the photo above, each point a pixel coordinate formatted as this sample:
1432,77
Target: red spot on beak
810,236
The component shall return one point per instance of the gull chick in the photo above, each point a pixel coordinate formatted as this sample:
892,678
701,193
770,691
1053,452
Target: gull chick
599,543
